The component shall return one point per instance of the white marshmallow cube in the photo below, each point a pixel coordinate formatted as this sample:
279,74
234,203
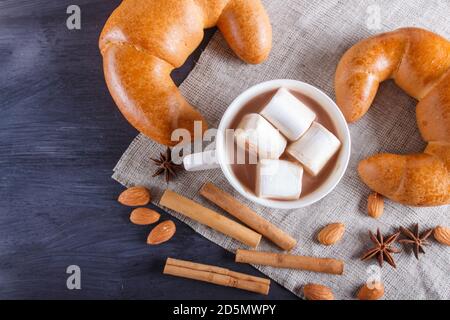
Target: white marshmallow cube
315,148
288,114
278,179
201,161
256,135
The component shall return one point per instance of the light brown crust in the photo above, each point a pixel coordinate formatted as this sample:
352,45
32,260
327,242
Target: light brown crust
419,62
143,41
251,42
418,180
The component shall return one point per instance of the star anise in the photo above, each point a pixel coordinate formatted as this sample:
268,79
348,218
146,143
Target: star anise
166,165
416,239
383,248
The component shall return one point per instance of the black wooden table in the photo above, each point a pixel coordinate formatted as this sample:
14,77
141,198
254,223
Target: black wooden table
60,137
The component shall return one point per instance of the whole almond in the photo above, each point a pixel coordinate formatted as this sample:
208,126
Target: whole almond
144,216
375,205
314,291
442,235
375,292
135,196
161,233
331,234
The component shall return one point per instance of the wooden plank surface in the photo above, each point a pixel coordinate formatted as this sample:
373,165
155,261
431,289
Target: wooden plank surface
60,137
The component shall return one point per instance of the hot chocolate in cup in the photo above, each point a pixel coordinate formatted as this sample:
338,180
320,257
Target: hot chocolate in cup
242,176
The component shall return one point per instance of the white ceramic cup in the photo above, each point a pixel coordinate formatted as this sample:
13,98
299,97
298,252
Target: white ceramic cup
219,158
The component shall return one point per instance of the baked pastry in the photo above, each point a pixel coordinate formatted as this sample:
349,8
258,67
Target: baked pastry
419,63
144,41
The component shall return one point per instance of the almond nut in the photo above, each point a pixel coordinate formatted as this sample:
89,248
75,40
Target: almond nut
373,291
375,205
442,235
135,196
331,234
161,233
144,216
314,291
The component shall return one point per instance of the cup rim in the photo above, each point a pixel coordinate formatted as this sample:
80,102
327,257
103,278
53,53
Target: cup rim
337,118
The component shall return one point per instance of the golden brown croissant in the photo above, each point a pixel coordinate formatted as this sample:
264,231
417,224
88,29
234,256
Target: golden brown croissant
419,63
143,41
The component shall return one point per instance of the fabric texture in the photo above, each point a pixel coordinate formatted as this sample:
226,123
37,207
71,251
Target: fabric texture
309,38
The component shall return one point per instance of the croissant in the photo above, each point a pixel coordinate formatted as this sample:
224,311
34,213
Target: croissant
419,63
143,41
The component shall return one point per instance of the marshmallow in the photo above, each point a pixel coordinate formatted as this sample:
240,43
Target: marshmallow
256,135
315,148
278,179
288,114
201,161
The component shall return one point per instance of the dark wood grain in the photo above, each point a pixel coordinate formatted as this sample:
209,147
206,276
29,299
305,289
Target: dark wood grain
60,137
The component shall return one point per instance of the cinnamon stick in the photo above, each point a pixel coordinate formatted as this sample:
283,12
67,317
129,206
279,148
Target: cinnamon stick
210,218
322,265
216,275
240,211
